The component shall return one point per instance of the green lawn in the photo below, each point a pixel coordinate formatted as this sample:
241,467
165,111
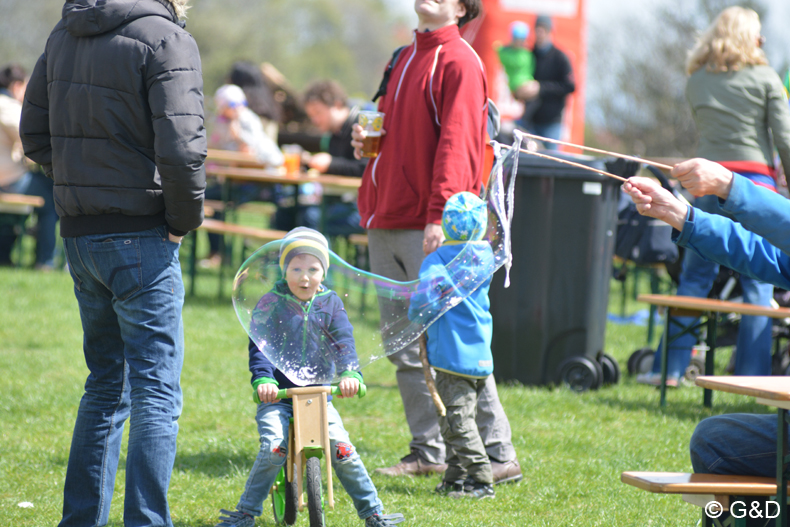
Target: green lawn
572,447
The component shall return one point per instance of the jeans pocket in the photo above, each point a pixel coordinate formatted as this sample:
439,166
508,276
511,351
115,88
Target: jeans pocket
118,263
72,270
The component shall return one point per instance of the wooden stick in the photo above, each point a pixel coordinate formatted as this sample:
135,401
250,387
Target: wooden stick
599,151
578,165
426,368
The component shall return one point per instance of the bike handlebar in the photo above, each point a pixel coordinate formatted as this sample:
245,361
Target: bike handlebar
283,393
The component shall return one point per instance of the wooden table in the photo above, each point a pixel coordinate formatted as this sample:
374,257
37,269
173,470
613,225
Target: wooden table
707,308
265,175
770,391
19,203
338,184
230,157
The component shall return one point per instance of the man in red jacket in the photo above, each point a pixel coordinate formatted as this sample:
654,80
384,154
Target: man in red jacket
436,109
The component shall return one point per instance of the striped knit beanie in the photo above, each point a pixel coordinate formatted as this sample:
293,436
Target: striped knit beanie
303,240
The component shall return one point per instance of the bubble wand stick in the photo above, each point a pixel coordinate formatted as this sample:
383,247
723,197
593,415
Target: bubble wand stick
599,151
577,165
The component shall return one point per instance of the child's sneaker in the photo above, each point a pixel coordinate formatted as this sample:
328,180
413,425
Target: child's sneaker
474,489
445,487
383,520
235,519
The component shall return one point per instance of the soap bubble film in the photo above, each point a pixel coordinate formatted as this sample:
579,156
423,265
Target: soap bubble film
312,342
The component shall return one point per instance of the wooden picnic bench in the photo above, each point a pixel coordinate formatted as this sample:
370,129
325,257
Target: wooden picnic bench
701,308
18,207
701,489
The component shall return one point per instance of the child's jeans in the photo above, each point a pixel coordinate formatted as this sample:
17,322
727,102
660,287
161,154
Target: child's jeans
273,426
466,453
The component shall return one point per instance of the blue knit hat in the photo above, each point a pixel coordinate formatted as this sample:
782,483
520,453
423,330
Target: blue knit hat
465,218
519,30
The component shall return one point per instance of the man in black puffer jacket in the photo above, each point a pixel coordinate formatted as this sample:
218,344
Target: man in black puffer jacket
114,114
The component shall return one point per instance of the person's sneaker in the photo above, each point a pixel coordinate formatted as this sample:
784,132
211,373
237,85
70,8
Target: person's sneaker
474,489
509,472
412,465
383,520
654,379
235,519
445,487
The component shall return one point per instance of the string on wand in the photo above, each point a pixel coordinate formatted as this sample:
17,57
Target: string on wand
598,151
571,163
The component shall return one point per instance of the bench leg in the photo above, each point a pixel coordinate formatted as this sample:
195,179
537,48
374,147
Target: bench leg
707,397
781,467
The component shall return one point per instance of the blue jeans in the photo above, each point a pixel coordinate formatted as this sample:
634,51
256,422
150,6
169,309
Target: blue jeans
273,426
35,184
753,347
130,294
735,444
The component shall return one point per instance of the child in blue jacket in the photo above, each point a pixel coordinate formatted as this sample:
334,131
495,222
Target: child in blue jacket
459,342
307,324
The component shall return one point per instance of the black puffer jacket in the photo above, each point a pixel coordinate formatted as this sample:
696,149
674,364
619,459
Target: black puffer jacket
114,114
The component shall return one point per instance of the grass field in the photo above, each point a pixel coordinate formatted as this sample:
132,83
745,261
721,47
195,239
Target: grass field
572,447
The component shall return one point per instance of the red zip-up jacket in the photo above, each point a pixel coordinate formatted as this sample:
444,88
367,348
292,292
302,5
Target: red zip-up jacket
435,109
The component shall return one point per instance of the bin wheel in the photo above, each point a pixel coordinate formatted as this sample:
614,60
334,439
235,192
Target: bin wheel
580,374
611,369
641,361
696,367
285,502
314,492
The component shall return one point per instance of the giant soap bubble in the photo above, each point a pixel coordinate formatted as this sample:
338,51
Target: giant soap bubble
296,336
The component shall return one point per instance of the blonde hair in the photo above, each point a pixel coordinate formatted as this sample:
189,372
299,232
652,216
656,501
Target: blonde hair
729,43
180,7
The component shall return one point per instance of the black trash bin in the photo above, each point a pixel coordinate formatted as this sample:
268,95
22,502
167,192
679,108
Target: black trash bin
549,324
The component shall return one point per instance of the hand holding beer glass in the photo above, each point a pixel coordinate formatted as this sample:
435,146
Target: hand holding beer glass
368,134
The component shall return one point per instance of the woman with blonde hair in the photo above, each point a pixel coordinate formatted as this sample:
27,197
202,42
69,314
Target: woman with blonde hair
741,112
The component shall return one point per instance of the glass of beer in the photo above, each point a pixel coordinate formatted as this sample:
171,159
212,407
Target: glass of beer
371,123
293,159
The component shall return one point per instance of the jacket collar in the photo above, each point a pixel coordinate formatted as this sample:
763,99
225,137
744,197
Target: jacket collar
437,37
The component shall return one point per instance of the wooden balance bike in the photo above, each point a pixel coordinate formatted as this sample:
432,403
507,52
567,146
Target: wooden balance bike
308,444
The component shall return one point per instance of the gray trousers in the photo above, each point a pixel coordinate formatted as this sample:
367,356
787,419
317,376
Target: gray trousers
397,254
466,453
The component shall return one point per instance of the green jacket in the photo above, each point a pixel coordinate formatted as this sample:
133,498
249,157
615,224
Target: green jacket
738,112
519,65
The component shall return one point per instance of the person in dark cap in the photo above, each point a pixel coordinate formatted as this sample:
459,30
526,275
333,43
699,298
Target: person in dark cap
553,82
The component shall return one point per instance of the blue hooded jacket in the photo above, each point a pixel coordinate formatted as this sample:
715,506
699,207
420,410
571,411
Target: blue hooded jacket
459,342
315,334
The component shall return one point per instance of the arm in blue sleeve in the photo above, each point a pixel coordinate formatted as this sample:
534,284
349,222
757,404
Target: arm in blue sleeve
341,335
260,365
759,210
434,282
721,240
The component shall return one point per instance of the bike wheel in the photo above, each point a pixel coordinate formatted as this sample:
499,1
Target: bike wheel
314,492
284,500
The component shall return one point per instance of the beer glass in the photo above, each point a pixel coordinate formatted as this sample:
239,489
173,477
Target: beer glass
371,123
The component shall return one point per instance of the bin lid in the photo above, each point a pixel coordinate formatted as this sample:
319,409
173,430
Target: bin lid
534,166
